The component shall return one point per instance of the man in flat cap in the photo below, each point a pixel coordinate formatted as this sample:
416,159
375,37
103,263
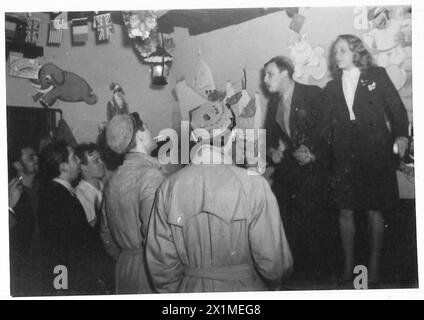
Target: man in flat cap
128,200
214,227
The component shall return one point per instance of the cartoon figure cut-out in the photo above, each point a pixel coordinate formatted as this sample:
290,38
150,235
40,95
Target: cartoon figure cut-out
308,61
390,36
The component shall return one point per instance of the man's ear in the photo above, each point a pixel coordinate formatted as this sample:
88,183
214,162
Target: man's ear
140,135
18,166
63,167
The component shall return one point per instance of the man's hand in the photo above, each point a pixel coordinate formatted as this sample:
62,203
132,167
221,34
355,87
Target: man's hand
277,154
400,146
15,192
303,155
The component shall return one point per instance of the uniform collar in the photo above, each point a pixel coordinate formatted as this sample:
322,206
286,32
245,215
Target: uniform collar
208,154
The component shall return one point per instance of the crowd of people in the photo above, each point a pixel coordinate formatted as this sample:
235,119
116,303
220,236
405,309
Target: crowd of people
122,223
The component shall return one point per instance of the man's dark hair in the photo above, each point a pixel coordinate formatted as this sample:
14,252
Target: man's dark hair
15,154
83,149
283,63
51,157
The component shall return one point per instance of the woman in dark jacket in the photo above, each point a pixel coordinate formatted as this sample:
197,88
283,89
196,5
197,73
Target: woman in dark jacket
369,127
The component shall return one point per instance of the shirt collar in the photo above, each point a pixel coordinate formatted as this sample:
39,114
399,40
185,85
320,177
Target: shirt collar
352,72
289,92
66,184
85,184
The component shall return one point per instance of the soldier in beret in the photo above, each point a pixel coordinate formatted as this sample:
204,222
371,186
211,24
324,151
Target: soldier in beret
129,196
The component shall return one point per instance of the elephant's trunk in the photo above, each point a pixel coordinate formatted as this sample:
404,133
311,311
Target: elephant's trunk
43,91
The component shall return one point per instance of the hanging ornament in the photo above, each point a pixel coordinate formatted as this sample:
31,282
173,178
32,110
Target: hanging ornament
139,23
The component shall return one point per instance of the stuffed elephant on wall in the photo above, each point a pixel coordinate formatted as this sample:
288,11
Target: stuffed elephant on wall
54,83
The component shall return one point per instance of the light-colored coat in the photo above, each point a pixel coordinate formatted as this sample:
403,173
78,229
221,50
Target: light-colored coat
128,200
216,228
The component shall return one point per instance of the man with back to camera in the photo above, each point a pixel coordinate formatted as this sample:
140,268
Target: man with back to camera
214,227
128,200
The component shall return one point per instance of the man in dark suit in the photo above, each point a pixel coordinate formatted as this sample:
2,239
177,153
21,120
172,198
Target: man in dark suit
24,231
296,147
68,239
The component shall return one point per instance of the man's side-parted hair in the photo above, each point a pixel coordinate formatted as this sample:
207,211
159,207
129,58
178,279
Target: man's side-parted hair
283,63
51,157
84,149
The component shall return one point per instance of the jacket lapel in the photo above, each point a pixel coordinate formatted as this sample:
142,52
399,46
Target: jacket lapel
343,111
357,100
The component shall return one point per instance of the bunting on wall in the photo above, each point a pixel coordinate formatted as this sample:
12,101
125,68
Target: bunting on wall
104,26
32,30
79,30
55,34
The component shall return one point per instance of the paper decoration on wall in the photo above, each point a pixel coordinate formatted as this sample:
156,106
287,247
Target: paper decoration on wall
55,35
60,20
139,23
307,62
148,46
54,83
104,26
79,30
229,92
203,81
32,30
22,67
297,22
292,11
188,99
251,115
390,36
117,105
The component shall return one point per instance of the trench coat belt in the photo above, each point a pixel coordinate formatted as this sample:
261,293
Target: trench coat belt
225,273
128,251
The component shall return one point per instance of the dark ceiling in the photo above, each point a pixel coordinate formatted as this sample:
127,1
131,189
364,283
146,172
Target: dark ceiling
205,20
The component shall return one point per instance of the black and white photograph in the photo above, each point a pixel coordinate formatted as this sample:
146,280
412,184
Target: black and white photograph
210,150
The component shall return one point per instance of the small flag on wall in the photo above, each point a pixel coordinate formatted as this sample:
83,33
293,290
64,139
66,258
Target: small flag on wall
55,35
104,26
79,30
10,29
32,30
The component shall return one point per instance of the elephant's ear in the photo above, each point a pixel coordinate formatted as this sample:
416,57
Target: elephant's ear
57,74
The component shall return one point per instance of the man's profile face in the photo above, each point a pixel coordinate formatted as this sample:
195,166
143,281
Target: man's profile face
273,78
29,161
147,138
95,167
